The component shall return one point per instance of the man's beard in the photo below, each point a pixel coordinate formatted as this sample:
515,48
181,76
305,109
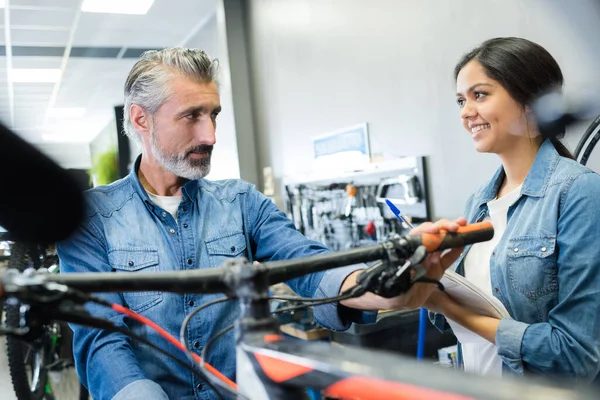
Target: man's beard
181,164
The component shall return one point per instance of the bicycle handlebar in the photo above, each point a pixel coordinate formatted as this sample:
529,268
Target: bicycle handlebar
218,280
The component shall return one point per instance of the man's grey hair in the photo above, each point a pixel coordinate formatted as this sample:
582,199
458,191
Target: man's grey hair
147,83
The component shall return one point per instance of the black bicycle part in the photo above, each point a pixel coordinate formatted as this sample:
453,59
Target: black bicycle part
36,350
210,341
212,382
588,142
225,279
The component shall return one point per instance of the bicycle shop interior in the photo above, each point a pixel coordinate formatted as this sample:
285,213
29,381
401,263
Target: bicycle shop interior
341,113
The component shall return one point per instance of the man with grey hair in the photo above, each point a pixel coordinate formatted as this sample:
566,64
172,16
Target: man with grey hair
164,216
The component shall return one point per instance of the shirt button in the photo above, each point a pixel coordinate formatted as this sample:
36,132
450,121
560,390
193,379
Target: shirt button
497,290
130,263
172,230
199,387
184,209
185,225
544,249
196,344
191,303
189,261
232,249
164,214
516,249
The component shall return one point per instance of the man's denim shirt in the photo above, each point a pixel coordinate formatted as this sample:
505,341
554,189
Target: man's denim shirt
125,232
546,269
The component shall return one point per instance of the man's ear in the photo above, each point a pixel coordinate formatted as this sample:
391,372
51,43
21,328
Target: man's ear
140,119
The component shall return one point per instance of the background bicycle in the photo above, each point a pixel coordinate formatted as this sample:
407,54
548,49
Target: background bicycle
40,366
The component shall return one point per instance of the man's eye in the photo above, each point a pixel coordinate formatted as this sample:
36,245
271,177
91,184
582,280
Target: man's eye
214,115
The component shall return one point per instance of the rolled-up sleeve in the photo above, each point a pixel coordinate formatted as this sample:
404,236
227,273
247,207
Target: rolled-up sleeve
143,389
333,315
509,338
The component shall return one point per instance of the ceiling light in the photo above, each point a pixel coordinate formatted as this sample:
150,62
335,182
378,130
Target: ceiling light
72,112
138,7
2,3
67,134
34,75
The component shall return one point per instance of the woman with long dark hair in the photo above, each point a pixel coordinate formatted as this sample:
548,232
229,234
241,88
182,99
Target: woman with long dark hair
543,263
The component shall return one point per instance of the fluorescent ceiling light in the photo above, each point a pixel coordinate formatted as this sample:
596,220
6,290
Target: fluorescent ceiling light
35,75
66,138
139,7
67,134
73,112
67,131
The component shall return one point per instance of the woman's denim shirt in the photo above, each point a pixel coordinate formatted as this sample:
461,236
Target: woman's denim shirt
546,269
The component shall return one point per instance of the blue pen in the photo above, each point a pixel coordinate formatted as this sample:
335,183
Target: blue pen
421,336
396,212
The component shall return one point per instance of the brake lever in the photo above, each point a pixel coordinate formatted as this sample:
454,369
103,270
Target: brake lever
388,280
421,277
420,273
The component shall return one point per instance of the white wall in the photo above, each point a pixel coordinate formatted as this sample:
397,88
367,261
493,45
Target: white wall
224,160
320,65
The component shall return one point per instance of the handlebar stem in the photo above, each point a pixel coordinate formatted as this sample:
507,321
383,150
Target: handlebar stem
250,283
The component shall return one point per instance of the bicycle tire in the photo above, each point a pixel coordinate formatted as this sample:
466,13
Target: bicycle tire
16,348
588,142
22,256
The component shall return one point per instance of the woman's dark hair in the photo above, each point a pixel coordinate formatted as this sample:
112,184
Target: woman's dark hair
524,68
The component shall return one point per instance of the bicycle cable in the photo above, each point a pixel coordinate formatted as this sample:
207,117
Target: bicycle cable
355,291
194,360
214,337
207,374
193,367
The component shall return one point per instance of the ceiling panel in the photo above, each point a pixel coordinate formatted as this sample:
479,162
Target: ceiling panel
128,37
22,89
34,37
44,18
35,62
73,4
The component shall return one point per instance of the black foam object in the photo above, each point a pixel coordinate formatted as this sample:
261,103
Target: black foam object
554,112
39,201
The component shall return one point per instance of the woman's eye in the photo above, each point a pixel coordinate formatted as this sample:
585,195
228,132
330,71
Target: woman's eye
460,102
479,95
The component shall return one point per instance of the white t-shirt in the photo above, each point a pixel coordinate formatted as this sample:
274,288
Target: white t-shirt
482,357
167,203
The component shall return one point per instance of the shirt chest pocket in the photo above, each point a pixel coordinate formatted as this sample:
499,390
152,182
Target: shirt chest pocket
136,260
532,265
223,247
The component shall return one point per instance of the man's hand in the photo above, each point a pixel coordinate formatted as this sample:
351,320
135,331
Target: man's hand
435,264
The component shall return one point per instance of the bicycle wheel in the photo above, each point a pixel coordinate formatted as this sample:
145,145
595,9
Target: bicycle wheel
588,142
41,368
